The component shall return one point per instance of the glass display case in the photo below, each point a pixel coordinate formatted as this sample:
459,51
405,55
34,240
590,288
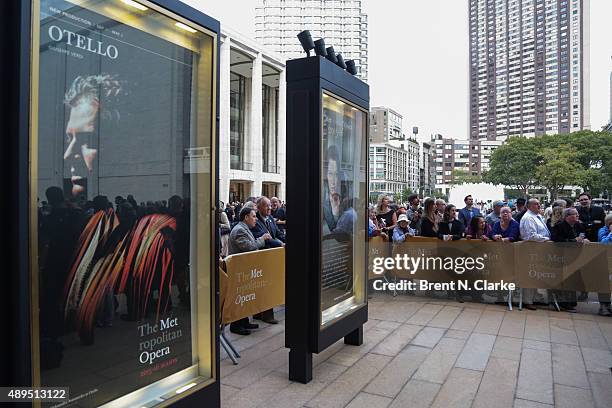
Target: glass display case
342,193
327,179
123,189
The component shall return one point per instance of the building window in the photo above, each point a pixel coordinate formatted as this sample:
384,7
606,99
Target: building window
237,121
269,131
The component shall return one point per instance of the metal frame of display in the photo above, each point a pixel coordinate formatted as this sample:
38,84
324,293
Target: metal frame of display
16,19
307,80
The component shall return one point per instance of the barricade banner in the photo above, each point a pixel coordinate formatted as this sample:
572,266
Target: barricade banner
424,262
377,248
538,265
586,267
480,260
542,265
254,282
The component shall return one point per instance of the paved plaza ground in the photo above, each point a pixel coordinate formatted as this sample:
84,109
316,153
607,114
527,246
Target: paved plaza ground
425,352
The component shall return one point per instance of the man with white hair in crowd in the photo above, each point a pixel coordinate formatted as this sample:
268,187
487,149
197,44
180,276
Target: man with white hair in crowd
533,228
242,240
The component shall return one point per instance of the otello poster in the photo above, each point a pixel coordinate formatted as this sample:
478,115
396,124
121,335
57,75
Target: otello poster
114,122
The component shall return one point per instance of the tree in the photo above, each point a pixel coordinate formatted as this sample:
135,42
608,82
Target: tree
405,193
557,169
464,177
514,164
594,153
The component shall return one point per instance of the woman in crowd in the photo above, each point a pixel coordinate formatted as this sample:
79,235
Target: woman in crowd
429,222
506,229
402,229
478,228
605,233
556,214
450,228
373,225
385,214
604,236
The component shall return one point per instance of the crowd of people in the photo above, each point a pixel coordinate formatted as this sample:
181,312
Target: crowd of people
259,223
526,219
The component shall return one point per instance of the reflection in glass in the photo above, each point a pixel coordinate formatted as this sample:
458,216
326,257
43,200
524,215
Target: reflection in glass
343,201
123,165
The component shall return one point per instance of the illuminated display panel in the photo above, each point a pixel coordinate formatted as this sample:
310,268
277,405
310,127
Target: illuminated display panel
343,198
123,174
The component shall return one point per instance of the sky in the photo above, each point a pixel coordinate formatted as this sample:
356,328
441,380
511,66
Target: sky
418,55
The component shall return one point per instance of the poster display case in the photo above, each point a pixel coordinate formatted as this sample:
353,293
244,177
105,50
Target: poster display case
327,149
122,288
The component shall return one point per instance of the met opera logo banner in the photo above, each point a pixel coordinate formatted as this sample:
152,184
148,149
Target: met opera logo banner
252,283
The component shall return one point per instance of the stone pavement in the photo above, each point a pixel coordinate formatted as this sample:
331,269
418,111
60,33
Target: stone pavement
423,352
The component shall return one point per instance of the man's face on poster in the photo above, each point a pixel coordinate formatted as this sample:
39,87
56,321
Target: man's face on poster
332,177
82,119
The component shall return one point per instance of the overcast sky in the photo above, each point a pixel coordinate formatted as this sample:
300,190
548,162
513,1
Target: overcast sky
418,54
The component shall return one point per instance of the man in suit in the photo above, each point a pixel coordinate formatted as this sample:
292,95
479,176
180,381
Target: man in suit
469,211
265,224
242,240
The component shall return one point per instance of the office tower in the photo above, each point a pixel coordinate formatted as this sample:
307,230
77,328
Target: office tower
340,22
529,67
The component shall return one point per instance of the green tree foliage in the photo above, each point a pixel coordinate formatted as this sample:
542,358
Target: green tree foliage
464,177
405,193
582,158
514,164
558,168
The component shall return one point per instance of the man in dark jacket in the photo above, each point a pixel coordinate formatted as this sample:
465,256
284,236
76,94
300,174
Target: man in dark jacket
242,240
279,213
469,211
521,209
591,216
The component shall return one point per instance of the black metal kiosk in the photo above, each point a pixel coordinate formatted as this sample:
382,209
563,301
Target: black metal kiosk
327,158
109,155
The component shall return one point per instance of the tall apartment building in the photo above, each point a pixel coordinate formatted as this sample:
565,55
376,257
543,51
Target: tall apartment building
412,148
386,129
385,125
387,170
340,22
529,67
